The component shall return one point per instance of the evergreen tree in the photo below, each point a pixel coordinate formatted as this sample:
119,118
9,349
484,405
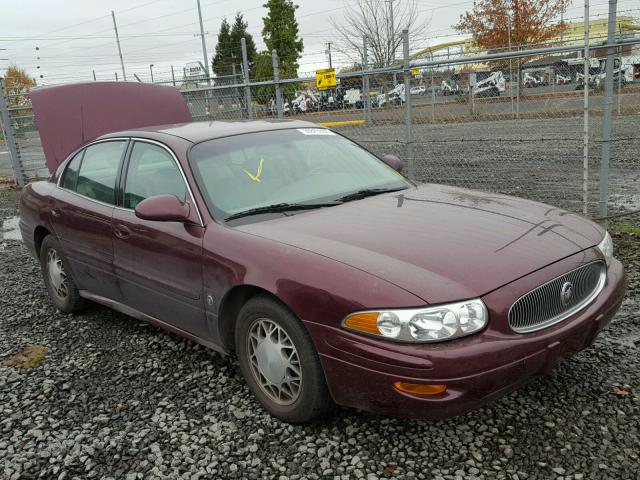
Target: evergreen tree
228,52
239,30
280,32
221,64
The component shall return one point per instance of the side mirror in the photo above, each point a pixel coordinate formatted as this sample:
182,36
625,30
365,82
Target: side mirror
393,161
163,208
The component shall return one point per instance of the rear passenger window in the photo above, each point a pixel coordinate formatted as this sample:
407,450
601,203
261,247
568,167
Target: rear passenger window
152,171
70,176
99,169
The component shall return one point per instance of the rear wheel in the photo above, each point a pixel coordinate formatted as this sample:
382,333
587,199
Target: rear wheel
279,362
57,277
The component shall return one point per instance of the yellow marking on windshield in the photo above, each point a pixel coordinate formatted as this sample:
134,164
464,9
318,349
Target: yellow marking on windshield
256,177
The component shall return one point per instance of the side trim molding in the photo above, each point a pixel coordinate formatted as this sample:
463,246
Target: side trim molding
132,312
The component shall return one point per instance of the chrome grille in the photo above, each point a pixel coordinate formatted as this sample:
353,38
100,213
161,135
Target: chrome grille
545,305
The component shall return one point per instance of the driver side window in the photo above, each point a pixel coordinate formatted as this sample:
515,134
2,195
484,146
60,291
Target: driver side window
152,171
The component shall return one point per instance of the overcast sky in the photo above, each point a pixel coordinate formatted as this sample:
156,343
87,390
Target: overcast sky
75,37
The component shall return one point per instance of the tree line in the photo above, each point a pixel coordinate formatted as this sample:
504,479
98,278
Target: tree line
279,32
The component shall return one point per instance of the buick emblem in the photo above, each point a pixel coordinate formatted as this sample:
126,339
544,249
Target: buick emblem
566,293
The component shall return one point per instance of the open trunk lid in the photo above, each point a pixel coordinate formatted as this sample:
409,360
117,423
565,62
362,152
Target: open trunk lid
68,116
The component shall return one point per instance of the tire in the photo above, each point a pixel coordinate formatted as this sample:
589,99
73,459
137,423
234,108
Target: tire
306,396
64,295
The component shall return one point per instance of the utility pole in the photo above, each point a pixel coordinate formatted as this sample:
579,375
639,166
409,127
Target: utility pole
585,109
173,76
151,70
329,52
115,28
205,63
94,75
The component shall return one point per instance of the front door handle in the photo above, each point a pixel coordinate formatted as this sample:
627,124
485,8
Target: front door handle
55,212
122,231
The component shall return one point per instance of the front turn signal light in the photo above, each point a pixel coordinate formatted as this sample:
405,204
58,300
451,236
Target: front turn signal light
420,388
366,322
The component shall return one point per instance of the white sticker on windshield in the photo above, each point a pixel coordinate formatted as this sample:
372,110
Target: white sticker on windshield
315,131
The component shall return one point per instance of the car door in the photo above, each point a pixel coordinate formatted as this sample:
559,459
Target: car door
158,264
81,214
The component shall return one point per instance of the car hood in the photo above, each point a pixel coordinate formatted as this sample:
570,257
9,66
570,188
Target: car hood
438,242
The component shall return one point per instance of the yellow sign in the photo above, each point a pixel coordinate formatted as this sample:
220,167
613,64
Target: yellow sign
415,72
325,78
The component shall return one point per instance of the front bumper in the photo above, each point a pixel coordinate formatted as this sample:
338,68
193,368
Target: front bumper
360,371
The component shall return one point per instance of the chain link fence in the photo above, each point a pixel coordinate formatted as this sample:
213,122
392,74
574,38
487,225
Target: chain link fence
511,122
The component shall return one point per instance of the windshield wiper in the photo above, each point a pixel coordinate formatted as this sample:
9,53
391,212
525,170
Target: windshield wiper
367,192
281,207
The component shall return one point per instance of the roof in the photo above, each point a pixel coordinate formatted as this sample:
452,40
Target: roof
196,132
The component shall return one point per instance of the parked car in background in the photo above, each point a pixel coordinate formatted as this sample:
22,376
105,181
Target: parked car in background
418,90
333,278
435,89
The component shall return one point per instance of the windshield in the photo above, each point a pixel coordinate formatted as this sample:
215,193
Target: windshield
292,166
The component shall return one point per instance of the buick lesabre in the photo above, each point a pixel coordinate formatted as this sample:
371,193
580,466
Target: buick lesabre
331,277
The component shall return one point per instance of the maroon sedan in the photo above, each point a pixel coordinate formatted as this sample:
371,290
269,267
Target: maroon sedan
332,277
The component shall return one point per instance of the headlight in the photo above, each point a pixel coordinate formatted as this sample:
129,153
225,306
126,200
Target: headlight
606,247
418,325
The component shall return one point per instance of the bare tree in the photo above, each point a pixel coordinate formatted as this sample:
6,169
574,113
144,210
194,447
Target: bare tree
382,22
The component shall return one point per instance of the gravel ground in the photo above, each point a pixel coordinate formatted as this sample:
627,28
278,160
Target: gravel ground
536,158
115,398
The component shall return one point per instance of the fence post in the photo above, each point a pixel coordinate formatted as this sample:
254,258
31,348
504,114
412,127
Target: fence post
433,96
607,114
9,136
365,82
276,80
407,105
245,75
585,108
619,80
518,87
472,101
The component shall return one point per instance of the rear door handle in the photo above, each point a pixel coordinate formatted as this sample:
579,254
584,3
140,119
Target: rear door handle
55,212
122,231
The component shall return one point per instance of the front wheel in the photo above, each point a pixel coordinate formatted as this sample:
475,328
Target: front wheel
279,362
57,277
